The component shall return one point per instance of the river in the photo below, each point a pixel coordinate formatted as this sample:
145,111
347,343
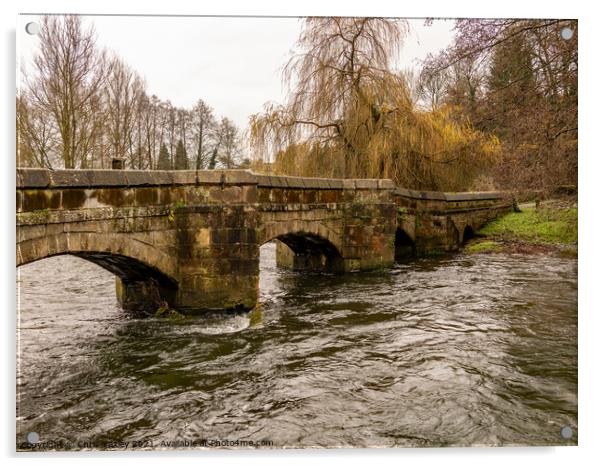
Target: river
448,351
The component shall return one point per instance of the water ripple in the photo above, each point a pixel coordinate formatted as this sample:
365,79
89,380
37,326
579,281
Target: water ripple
452,351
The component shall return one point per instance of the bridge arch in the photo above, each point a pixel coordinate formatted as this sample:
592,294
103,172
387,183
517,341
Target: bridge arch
305,246
144,274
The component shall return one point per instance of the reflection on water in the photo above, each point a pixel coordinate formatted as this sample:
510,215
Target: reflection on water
478,350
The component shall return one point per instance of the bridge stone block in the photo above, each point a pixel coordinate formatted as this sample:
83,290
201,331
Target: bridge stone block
182,177
33,178
71,178
366,184
107,178
146,196
226,195
115,197
133,178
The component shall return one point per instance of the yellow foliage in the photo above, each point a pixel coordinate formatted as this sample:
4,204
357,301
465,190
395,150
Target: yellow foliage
421,150
355,119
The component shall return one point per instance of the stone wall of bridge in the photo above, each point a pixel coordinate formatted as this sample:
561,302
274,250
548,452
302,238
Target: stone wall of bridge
441,222
191,239
330,225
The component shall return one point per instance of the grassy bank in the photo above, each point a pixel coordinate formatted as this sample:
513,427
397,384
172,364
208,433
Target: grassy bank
549,228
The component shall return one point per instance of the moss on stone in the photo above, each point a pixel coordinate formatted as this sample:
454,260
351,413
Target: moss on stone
165,312
256,316
39,216
173,209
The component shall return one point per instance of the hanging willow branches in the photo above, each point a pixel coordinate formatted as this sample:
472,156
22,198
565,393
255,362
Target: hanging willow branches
350,115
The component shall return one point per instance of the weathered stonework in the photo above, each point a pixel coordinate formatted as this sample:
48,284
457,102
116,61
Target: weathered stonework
191,239
439,222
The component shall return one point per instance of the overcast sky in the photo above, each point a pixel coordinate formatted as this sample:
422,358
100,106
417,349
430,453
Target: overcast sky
233,63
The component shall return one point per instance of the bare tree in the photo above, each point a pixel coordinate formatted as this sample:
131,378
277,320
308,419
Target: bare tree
36,135
230,150
69,75
171,122
123,92
204,127
79,107
151,125
184,122
432,88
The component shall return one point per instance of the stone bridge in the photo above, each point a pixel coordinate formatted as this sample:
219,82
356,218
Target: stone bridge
191,239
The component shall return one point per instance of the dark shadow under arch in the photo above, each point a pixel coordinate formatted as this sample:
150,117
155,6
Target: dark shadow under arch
127,268
140,287
307,251
405,248
468,234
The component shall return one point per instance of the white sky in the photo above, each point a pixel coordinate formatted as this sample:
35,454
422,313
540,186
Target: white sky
233,63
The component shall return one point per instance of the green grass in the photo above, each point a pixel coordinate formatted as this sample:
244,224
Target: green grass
540,226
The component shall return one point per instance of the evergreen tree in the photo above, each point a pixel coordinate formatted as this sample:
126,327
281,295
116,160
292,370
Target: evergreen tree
213,159
512,65
181,162
164,162
512,95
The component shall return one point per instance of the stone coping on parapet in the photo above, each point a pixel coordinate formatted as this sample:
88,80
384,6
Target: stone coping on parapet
31,178
278,181
45,178
450,197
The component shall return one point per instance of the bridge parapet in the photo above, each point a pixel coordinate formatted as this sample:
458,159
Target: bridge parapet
56,179
45,178
443,221
73,189
294,190
40,189
447,201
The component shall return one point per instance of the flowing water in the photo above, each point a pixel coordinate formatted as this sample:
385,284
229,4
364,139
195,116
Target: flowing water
461,350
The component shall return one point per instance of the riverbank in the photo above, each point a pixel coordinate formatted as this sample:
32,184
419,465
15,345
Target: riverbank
548,228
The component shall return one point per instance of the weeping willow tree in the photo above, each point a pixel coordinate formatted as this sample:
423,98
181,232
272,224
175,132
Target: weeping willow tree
349,115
